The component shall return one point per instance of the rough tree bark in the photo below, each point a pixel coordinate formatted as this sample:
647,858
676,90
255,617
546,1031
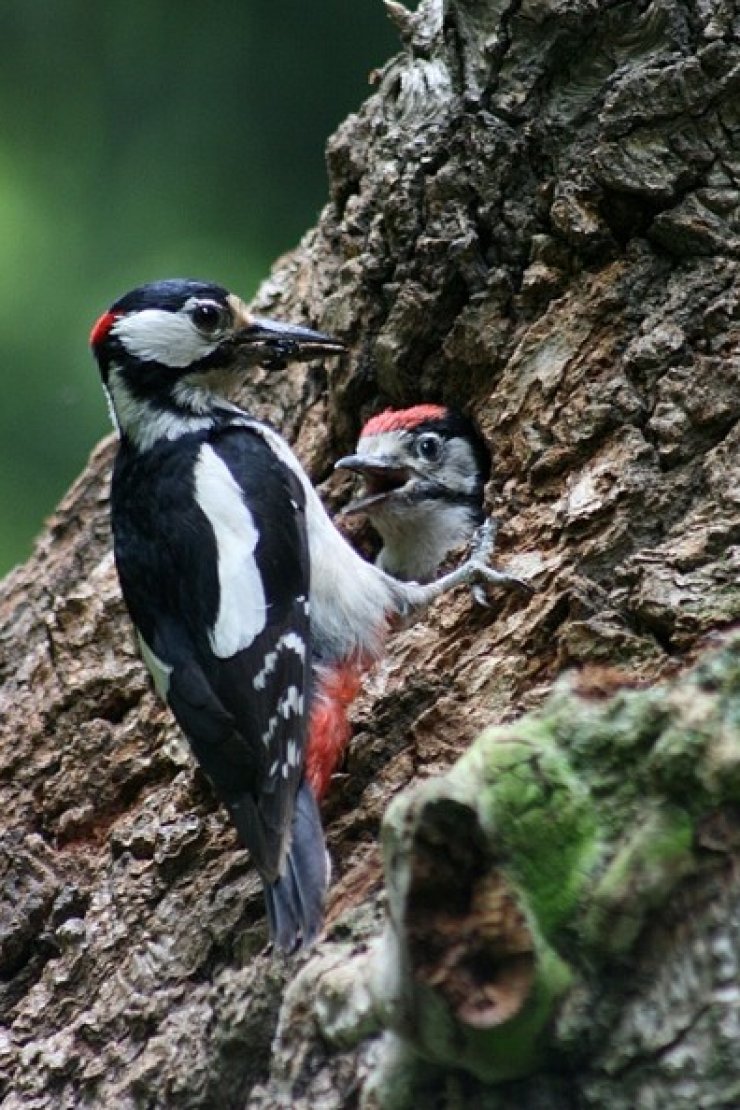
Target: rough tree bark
536,214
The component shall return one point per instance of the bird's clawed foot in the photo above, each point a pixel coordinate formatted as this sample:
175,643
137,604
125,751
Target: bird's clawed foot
481,574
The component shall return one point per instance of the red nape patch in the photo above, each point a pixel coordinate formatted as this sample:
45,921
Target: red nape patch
329,729
101,327
394,420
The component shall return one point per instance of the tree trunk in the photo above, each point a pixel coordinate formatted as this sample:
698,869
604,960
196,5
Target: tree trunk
535,216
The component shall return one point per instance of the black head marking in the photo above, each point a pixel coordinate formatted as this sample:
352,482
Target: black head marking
169,295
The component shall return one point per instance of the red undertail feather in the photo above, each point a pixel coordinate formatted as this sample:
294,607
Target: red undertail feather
329,729
394,420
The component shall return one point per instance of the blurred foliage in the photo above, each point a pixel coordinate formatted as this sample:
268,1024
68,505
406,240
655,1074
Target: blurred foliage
142,140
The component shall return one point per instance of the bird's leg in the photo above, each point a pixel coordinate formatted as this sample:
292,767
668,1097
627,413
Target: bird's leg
474,572
482,547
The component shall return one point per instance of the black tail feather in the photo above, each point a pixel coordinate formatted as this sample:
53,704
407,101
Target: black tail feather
295,902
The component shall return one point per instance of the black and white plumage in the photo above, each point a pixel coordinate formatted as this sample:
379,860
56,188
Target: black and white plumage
212,554
240,587
425,470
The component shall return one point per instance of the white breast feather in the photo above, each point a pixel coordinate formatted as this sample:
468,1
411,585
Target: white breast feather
416,544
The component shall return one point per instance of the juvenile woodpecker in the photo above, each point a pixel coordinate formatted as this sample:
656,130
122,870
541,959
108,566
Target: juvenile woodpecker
425,469
223,548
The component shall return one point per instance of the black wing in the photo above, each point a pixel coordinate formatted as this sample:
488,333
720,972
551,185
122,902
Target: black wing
211,548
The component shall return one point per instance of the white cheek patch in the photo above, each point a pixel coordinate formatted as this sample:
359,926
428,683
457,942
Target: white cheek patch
169,338
461,470
242,607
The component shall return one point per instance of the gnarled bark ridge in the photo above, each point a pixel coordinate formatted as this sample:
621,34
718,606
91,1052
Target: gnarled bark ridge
535,215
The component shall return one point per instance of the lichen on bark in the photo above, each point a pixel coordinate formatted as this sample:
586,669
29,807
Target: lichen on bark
525,887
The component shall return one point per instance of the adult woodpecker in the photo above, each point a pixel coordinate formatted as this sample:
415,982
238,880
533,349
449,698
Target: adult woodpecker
425,469
223,548
208,516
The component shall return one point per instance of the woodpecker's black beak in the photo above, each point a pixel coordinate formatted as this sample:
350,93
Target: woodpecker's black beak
273,344
384,478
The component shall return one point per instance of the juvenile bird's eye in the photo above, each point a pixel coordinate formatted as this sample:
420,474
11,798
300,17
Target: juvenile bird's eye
208,317
428,447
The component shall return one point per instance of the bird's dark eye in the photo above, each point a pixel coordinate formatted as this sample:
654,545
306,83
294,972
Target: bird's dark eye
429,447
208,317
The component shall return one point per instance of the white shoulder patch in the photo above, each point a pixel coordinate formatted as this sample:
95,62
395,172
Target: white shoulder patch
242,606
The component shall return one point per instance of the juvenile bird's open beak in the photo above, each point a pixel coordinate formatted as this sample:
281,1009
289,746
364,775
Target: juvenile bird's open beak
384,477
273,343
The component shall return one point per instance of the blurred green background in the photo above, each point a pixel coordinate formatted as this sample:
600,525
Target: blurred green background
142,140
